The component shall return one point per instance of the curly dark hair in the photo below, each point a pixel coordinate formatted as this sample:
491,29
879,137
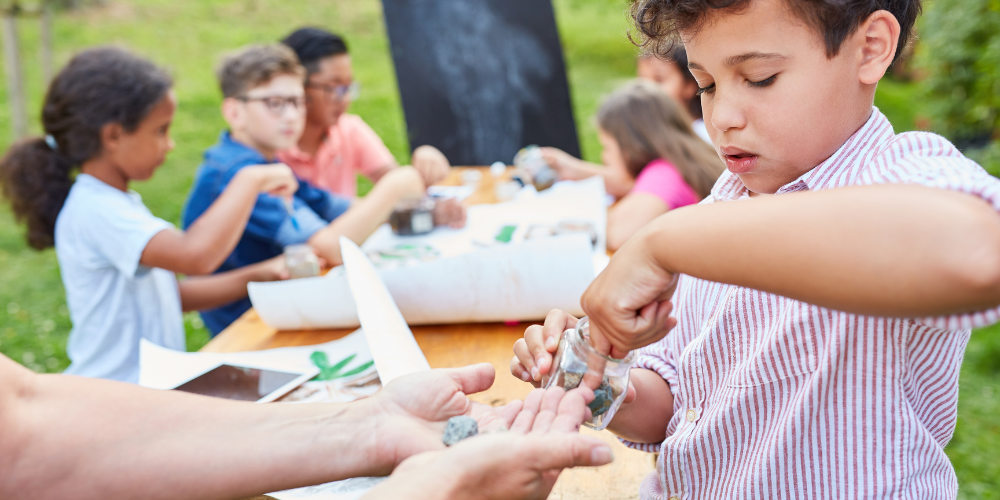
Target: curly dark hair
96,87
660,21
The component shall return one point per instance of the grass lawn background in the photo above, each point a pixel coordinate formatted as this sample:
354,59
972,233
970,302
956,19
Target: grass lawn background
189,36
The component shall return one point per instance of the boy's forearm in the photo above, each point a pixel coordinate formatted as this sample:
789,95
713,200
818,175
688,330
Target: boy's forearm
113,444
380,172
887,250
368,213
644,420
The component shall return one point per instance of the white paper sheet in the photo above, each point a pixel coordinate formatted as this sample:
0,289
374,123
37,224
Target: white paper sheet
162,368
456,276
390,340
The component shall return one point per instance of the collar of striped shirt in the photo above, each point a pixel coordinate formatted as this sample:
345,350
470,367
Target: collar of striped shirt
876,130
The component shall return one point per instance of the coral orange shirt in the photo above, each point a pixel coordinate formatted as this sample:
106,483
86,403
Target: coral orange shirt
351,147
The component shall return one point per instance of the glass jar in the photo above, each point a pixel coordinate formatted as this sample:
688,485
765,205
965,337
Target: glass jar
301,261
575,357
529,161
412,217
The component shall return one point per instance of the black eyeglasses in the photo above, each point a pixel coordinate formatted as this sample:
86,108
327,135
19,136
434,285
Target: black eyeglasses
277,104
350,91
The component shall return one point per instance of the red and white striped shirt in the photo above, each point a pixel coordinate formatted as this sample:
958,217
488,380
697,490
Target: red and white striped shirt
776,398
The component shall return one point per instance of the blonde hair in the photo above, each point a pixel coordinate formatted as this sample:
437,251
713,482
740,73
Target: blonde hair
648,125
254,66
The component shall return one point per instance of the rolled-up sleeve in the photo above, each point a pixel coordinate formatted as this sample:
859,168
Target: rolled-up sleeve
919,158
657,357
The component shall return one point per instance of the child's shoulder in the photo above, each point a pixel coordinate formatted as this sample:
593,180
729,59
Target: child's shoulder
226,157
919,157
93,204
90,191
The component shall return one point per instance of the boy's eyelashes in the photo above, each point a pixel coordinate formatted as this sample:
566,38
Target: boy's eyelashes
708,89
763,83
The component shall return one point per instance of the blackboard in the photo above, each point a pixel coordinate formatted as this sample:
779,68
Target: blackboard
479,79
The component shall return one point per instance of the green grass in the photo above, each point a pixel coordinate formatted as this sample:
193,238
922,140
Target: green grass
188,37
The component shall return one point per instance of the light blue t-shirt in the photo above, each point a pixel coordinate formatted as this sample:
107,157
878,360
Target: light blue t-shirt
113,300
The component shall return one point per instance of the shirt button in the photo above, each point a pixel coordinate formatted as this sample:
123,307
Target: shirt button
674,497
692,415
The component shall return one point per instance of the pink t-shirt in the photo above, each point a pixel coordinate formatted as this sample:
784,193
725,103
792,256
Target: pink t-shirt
662,180
351,147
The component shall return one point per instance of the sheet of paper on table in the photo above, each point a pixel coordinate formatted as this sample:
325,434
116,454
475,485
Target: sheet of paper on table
348,372
466,275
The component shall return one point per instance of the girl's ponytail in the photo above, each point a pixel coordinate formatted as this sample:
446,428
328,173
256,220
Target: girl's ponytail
96,87
36,180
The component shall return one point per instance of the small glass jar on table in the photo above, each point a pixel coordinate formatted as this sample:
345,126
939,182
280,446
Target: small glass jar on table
301,261
575,357
412,217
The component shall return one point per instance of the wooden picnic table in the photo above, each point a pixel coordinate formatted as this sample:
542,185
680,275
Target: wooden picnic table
459,345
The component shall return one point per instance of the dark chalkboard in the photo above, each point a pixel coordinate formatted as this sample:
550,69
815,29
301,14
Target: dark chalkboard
479,79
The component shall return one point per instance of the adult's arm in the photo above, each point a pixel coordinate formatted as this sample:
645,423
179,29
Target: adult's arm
73,437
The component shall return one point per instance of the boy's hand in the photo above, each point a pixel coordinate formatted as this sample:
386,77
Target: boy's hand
275,178
629,302
431,163
449,212
533,353
272,269
403,182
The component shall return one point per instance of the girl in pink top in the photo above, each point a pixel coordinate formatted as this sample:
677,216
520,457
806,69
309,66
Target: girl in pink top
647,137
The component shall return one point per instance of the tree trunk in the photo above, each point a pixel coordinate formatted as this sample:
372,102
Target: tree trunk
15,76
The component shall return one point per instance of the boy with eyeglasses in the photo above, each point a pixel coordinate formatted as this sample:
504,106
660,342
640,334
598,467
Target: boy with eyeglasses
264,105
335,146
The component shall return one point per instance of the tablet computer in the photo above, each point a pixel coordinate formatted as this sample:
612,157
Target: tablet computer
245,383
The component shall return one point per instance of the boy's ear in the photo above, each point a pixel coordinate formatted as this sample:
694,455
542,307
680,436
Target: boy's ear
232,112
879,37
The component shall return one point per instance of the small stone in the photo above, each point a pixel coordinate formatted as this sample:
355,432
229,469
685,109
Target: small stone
603,397
571,380
459,428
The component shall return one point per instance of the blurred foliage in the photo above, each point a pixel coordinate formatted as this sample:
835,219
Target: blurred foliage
988,157
958,58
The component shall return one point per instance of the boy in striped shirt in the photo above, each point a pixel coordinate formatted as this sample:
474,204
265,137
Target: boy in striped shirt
819,301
